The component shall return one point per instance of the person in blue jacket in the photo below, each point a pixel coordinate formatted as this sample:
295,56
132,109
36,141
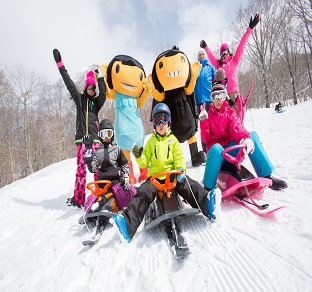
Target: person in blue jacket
203,87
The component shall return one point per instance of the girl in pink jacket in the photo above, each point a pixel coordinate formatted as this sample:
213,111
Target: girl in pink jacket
223,129
230,63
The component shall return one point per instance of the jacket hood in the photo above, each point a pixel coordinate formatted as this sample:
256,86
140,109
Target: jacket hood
204,62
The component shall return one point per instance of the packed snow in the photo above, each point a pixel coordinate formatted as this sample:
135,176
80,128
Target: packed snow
41,241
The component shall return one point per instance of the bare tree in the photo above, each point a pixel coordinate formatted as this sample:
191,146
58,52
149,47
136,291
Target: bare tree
26,88
261,47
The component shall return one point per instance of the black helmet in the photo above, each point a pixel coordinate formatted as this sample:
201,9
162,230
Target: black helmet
159,109
106,124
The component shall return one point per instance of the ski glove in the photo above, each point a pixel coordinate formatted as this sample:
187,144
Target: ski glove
98,73
137,151
202,44
250,147
88,156
203,115
126,183
181,177
254,22
58,58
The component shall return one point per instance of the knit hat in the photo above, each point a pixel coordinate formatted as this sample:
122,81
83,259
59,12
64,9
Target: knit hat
201,52
90,79
219,82
224,47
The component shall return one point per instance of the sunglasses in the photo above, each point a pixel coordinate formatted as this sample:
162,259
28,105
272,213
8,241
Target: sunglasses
225,53
106,133
161,118
218,95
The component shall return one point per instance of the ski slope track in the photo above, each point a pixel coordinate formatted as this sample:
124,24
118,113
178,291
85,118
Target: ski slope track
41,241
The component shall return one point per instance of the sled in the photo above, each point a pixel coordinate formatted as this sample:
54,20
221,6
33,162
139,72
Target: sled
166,209
237,181
100,206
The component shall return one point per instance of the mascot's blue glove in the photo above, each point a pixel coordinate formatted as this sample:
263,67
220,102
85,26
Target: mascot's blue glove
181,177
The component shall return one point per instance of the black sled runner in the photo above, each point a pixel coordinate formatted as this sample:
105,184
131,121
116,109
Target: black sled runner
100,206
166,210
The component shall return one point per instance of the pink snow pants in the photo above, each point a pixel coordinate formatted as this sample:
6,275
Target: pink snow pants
81,173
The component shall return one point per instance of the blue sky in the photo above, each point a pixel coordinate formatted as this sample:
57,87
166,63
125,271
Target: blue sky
94,31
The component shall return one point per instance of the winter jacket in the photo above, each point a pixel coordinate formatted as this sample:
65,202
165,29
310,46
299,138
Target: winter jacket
87,106
231,66
112,167
222,126
203,83
161,154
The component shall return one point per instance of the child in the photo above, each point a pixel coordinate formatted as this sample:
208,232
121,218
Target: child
223,129
162,152
109,158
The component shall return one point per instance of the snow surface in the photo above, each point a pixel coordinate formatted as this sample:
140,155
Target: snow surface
40,240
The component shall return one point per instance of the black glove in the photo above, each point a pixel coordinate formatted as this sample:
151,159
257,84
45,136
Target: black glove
58,58
88,141
202,44
88,159
137,151
254,22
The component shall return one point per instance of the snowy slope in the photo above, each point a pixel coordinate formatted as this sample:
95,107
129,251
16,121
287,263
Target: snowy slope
40,240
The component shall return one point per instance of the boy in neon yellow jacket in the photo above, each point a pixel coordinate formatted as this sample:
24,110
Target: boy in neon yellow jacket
162,152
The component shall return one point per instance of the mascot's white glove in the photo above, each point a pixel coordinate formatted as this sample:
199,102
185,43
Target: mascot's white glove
250,146
203,115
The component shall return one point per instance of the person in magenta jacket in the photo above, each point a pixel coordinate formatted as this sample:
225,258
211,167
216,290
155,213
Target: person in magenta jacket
230,63
223,129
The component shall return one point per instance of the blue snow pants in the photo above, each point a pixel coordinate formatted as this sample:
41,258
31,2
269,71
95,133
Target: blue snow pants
259,160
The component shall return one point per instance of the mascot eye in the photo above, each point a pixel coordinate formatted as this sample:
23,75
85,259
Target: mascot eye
161,65
182,59
117,68
141,76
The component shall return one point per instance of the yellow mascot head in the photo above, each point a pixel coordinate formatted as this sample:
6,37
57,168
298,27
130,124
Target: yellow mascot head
171,70
125,75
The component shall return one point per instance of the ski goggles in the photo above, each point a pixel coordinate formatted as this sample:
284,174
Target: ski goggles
219,95
161,118
106,133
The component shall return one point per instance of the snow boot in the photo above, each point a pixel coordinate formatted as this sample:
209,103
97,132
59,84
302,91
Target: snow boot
277,184
143,174
122,226
73,202
197,157
132,178
213,202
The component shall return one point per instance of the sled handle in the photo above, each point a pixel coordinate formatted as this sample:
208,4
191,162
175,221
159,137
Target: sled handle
239,157
96,190
167,186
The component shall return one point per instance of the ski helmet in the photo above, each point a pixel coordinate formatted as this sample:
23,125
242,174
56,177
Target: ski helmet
161,108
106,125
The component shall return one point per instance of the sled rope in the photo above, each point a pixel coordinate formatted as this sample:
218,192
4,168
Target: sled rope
206,220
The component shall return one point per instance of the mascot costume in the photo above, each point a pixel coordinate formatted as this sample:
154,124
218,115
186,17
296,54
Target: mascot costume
128,86
173,81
